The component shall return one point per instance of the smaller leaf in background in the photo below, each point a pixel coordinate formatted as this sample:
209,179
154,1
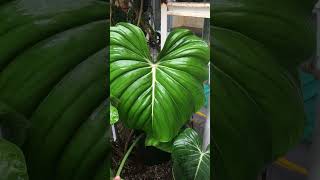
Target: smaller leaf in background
114,101
164,146
189,160
114,115
12,162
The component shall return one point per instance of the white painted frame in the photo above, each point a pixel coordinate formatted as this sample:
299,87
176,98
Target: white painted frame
189,9
164,23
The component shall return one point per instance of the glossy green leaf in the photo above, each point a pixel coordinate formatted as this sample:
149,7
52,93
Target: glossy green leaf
283,26
55,39
257,108
256,99
190,162
157,95
26,22
114,115
12,162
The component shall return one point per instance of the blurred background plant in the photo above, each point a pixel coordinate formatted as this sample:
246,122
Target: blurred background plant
138,12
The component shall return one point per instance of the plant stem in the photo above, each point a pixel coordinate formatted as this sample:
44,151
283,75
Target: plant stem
111,3
127,140
140,12
127,154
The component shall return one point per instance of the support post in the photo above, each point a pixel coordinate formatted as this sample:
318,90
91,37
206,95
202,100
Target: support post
164,25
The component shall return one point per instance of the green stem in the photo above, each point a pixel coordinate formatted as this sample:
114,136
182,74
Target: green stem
140,12
127,154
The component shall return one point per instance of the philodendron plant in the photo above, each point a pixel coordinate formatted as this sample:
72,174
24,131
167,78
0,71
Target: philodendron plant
257,106
189,160
157,95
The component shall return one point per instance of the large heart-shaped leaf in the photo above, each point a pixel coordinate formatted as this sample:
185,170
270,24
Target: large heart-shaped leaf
257,108
55,39
190,162
157,95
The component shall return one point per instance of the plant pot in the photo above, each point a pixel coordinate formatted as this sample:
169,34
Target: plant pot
151,155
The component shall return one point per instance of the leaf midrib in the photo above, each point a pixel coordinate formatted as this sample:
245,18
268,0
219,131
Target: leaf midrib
154,79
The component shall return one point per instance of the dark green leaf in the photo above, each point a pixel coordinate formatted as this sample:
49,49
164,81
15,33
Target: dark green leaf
283,26
12,162
190,162
257,109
